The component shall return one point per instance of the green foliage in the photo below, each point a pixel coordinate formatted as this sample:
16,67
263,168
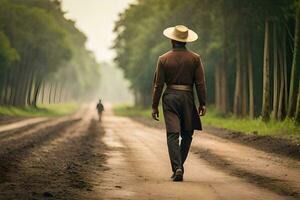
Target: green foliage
250,126
40,47
222,26
7,53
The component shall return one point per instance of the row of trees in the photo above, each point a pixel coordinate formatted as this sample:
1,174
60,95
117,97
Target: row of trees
250,50
42,55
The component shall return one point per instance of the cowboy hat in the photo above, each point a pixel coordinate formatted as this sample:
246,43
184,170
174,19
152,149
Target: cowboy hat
180,33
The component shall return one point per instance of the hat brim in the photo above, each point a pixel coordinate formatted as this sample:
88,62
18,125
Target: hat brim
169,33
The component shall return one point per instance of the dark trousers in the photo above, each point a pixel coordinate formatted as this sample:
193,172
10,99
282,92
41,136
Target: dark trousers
179,152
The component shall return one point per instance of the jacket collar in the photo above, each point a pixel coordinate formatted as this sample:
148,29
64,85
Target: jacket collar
179,48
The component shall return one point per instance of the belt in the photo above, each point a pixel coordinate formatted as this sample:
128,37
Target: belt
181,87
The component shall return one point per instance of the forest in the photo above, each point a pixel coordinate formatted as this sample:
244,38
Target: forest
250,50
43,58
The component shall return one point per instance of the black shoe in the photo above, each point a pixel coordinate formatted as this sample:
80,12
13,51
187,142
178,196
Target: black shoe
178,175
173,176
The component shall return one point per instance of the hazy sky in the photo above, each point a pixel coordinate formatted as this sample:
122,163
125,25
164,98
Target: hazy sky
96,19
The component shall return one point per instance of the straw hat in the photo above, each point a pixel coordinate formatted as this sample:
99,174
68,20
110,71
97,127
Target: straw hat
180,33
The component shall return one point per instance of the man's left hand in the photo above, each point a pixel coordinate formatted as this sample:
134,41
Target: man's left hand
202,110
155,114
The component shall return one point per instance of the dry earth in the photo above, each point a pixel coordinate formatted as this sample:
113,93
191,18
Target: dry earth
76,157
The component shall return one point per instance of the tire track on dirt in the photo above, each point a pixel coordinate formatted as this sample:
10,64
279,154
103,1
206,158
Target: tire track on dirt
10,133
19,134
272,184
12,141
62,167
281,145
12,152
4,120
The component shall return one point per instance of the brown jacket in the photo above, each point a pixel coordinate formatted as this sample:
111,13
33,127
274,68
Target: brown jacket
181,67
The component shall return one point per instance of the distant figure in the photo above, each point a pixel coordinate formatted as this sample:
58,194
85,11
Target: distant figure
180,69
100,109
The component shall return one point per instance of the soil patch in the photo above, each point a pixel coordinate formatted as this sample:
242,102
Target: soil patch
4,120
272,144
54,164
149,122
16,131
271,184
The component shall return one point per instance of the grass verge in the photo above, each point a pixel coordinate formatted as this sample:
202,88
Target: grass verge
246,125
41,111
130,111
215,119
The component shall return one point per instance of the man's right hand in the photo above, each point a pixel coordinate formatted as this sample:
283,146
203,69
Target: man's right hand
202,110
155,114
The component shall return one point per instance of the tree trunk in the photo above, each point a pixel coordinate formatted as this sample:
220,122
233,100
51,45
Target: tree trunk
266,80
217,87
60,93
296,57
17,99
285,76
55,92
275,73
244,87
237,93
250,79
50,93
297,114
30,89
36,93
24,79
3,86
6,87
23,89
135,94
43,93
224,67
281,85
223,88
13,86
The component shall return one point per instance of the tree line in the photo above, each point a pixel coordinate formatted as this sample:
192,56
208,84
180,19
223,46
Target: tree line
250,51
42,55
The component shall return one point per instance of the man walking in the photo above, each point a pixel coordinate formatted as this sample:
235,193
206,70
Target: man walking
100,109
180,69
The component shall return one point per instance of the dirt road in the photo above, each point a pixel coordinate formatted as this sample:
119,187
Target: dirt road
57,158
77,158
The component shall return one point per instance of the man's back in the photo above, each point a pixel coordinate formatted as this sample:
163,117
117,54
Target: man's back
179,66
100,107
